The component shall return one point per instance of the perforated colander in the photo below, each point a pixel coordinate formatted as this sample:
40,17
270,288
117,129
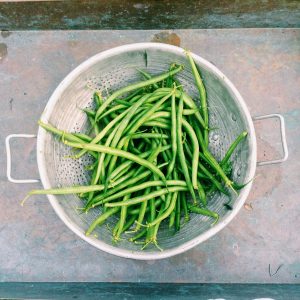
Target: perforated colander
108,71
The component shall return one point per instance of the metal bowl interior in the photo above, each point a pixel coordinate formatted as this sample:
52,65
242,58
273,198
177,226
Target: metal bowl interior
108,71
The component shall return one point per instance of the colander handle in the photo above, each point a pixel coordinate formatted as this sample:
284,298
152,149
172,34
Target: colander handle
283,139
8,155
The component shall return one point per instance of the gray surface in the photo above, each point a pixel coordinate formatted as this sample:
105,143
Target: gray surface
264,65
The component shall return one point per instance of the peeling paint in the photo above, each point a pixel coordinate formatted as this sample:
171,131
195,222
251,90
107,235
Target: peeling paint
5,33
3,51
167,38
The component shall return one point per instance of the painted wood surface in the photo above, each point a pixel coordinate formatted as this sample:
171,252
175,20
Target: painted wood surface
264,65
125,291
148,14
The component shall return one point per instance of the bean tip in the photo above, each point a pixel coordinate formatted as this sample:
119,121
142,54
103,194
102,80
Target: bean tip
24,200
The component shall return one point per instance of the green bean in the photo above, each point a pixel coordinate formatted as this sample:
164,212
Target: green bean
135,211
161,114
103,133
89,112
147,135
95,177
82,136
134,96
133,149
136,125
125,142
138,121
126,165
202,194
102,156
167,212
94,125
169,80
143,186
213,179
185,207
156,124
150,232
178,212
195,144
99,198
92,166
173,137
172,218
131,112
119,169
189,153
198,134
185,112
121,153
168,151
191,104
215,165
124,177
101,219
233,147
154,233
181,155
129,223
122,218
122,102
157,146
135,86
142,211
202,94
154,194
122,126
138,235
124,168
168,201
65,190
141,146
97,99
204,212
147,76
115,230
166,114
67,136
113,109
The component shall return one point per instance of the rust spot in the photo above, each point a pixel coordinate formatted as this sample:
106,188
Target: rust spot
248,206
11,103
3,51
166,38
73,43
5,33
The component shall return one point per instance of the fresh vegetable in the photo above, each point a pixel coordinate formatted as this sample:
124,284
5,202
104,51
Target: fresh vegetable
152,162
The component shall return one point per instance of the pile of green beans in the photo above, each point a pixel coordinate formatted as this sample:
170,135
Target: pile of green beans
152,163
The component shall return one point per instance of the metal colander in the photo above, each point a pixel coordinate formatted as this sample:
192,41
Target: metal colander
107,72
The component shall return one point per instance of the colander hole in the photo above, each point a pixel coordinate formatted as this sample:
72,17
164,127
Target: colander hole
215,137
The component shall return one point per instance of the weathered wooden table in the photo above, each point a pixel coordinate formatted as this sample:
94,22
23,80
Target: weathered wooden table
261,245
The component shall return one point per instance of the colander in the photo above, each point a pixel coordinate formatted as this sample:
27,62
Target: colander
108,71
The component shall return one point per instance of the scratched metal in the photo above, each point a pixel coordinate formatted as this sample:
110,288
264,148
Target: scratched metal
261,245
